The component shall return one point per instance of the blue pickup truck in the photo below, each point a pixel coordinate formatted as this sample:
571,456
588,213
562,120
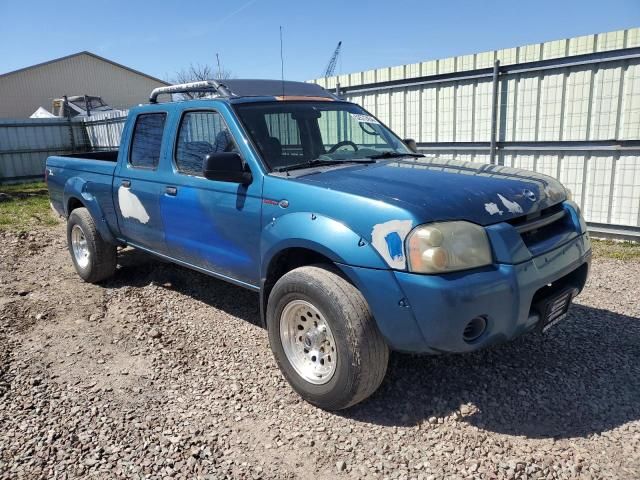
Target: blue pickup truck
357,244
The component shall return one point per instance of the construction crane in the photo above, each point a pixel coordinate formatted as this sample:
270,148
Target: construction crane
331,67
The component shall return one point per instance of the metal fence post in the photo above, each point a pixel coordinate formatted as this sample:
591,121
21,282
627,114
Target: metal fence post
67,113
494,112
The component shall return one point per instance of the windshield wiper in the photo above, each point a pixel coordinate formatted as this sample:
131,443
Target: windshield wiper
395,155
320,163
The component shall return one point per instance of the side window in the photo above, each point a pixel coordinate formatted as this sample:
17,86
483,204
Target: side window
147,140
201,133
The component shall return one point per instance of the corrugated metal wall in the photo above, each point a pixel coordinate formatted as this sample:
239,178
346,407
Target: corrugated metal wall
586,44
567,108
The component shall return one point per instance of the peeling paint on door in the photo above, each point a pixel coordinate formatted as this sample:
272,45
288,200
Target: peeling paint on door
131,206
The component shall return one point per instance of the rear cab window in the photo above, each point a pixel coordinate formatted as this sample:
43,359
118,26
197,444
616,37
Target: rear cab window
146,142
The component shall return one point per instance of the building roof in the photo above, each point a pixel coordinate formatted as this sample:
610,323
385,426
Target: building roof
85,52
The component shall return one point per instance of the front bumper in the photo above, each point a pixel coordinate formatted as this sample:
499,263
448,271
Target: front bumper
503,294
429,313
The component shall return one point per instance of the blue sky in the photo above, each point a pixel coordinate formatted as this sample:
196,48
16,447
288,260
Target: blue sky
162,37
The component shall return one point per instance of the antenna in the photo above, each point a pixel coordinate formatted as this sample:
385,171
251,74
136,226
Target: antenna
281,62
219,68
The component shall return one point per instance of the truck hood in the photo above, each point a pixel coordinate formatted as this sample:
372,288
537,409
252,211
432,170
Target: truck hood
437,189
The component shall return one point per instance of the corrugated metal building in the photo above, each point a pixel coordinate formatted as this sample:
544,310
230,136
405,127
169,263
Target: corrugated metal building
23,91
568,108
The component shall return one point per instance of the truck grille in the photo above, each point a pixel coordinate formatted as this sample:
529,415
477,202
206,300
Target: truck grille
542,225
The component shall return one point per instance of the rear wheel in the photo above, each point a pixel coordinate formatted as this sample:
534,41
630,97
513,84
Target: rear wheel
94,259
324,337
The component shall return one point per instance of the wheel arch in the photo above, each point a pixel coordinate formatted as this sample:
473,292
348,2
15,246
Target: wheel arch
304,238
283,262
73,203
76,195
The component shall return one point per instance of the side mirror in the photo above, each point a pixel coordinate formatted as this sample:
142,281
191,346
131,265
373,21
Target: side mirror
226,167
411,144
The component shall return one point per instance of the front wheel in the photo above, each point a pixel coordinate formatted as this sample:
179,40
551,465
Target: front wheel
324,338
94,259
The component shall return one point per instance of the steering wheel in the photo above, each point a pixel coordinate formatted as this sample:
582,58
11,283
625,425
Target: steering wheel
343,143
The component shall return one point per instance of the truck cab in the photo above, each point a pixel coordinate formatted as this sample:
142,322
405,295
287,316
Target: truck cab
357,244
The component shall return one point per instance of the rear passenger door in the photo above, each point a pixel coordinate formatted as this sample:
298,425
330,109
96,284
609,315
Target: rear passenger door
136,188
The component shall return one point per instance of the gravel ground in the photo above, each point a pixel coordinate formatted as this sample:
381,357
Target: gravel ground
165,373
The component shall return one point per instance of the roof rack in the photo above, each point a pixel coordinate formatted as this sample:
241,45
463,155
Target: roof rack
204,86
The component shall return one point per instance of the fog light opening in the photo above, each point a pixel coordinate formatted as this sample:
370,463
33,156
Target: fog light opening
474,329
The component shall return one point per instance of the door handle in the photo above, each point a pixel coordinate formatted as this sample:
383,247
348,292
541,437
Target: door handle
173,191
126,183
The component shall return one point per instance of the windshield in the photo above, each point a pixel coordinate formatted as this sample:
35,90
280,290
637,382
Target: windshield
293,133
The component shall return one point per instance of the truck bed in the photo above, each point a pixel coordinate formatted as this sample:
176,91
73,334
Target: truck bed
100,163
107,155
93,170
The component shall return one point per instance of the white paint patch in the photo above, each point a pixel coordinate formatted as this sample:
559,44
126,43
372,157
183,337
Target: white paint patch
513,207
384,238
131,206
492,208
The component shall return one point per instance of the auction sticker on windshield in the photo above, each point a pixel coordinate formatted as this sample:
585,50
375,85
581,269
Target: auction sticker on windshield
363,118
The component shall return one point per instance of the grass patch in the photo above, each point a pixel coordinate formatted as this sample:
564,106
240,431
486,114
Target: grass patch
25,206
617,250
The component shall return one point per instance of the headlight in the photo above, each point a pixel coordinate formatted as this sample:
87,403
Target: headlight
447,247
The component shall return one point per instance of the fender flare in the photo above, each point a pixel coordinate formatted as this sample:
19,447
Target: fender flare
319,233
76,187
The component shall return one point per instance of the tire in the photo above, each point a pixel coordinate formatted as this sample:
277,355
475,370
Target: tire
101,259
361,354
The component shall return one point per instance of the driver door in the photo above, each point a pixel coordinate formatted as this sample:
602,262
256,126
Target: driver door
210,224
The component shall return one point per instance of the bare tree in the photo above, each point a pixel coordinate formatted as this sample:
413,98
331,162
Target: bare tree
198,72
